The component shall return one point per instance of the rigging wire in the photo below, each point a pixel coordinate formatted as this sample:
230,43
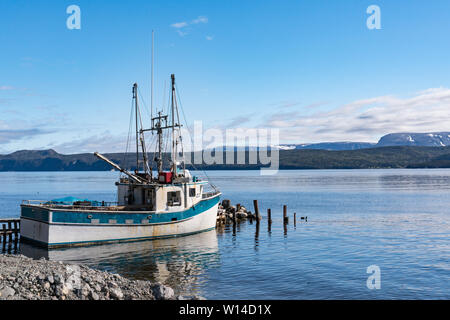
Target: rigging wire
149,165
165,134
125,156
192,140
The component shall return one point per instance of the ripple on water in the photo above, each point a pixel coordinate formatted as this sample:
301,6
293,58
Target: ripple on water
396,219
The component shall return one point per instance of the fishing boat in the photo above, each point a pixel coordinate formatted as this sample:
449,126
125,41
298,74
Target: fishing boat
169,202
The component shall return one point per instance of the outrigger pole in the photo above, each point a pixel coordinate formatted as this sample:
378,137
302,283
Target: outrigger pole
116,166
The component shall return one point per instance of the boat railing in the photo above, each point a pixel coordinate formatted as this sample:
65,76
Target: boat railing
74,205
35,202
210,194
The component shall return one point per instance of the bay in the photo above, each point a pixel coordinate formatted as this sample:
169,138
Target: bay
397,219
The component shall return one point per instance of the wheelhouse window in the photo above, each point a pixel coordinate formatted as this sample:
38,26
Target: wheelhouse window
191,192
174,198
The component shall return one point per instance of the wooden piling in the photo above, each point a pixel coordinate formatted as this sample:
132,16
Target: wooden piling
257,215
9,233
285,217
10,236
226,203
4,237
269,216
16,229
16,234
295,219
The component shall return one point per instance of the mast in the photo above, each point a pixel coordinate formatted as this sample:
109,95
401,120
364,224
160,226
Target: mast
160,161
137,127
174,151
161,122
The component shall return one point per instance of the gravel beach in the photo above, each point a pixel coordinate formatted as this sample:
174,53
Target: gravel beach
22,278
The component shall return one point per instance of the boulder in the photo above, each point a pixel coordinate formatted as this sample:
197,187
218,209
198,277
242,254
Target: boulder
162,292
116,293
7,292
241,215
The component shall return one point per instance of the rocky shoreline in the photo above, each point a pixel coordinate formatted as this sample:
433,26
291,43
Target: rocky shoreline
229,214
22,278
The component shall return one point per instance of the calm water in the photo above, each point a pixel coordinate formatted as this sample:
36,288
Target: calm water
398,220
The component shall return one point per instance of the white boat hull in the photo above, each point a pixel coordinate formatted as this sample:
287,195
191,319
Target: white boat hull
73,234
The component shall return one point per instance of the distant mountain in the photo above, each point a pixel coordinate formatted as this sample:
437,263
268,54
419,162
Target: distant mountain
380,157
332,146
395,150
433,139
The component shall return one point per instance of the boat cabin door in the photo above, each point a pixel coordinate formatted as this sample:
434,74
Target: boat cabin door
149,198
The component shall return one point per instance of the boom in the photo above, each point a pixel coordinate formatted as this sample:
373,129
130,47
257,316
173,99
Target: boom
116,166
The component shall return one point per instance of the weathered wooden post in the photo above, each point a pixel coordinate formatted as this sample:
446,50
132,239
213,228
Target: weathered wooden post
16,234
238,207
10,232
285,217
285,229
4,237
226,203
257,215
269,220
295,219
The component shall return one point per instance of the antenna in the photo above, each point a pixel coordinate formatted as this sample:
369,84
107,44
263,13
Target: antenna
153,45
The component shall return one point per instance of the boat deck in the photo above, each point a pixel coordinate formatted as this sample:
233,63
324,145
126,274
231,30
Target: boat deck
104,206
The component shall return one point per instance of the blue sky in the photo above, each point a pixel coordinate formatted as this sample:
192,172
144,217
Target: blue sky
310,68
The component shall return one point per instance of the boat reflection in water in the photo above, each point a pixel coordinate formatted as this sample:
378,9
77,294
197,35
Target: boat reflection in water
180,263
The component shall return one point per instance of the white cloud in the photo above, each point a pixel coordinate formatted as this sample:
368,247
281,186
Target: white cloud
200,19
182,33
4,88
368,119
209,38
183,25
9,135
179,25
103,142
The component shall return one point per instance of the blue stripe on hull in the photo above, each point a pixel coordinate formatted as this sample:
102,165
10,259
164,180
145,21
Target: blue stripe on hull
76,217
39,214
